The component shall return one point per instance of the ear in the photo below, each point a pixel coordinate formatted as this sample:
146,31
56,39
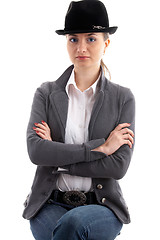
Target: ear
107,42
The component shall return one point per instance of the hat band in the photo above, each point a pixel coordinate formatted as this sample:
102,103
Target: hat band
98,27
93,27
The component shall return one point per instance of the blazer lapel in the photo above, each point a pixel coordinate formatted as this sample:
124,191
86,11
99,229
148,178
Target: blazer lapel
96,108
60,102
59,99
98,104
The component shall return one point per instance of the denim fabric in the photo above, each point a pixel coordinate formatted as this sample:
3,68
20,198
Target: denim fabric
91,222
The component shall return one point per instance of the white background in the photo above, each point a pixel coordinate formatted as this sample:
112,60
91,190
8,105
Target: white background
31,53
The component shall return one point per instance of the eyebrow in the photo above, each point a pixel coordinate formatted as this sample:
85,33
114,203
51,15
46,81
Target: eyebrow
88,34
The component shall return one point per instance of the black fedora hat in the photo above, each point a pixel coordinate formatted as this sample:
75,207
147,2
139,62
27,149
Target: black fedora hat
86,16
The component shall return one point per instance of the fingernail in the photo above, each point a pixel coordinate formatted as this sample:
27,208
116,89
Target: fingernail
43,121
37,131
36,124
34,128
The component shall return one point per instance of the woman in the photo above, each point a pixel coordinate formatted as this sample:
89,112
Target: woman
80,136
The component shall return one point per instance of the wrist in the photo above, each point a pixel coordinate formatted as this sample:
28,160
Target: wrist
105,149
99,149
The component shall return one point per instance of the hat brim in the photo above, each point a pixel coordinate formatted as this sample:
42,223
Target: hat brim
110,30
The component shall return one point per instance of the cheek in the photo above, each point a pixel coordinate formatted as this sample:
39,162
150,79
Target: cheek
99,52
70,51
102,50
99,49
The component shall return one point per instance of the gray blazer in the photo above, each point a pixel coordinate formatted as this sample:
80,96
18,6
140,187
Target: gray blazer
114,104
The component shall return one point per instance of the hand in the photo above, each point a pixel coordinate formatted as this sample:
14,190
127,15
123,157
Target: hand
43,130
119,136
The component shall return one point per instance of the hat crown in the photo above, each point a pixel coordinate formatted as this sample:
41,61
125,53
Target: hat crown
86,14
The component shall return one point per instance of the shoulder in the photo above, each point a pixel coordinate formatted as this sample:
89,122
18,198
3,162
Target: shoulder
58,85
45,89
119,92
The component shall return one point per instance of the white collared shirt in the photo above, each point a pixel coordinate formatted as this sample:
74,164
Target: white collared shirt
79,114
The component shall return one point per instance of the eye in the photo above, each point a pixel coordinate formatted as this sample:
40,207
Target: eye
73,40
91,39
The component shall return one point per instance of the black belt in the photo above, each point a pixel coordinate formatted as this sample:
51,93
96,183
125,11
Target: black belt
74,198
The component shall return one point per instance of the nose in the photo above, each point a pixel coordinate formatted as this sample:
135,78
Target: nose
82,46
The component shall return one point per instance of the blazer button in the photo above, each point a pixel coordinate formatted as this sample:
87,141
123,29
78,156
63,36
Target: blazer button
103,200
99,186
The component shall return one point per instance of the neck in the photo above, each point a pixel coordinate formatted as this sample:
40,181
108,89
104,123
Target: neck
85,77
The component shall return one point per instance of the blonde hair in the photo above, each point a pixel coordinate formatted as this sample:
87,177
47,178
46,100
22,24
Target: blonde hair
104,67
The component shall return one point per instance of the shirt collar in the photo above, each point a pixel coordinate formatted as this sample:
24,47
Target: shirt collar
71,81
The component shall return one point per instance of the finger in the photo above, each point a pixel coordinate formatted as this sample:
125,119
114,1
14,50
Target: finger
40,126
44,135
44,123
128,143
41,135
122,125
127,130
40,130
129,137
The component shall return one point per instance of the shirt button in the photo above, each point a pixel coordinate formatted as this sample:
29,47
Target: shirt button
103,200
99,186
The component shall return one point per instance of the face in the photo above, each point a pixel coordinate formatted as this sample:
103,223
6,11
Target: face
86,49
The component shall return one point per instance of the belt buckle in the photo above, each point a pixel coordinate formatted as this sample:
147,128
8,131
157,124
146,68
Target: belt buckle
74,198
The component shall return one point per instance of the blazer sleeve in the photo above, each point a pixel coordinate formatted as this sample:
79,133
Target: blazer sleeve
113,166
51,153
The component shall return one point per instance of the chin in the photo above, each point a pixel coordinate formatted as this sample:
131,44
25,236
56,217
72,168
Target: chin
83,64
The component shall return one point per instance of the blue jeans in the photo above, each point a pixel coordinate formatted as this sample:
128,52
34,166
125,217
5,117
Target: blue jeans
92,222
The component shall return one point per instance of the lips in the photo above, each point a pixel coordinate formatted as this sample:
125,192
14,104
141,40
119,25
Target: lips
82,57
